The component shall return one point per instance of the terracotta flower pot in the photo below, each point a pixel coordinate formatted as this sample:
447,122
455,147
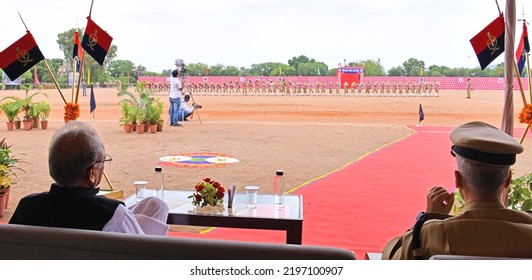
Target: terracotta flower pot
44,124
36,122
18,124
160,126
128,127
134,127
4,200
27,125
153,128
10,125
2,204
7,192
140,128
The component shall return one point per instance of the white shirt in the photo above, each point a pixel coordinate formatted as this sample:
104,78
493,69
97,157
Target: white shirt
184,107
125,221
175,87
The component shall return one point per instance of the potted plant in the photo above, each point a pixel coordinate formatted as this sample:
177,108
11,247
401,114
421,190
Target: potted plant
160,121
35,111
139,99
17,122
152,116
44,112
25,105
8,167
127,116
140,117
11,110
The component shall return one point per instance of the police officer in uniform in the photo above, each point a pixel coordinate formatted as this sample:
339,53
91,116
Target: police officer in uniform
485,227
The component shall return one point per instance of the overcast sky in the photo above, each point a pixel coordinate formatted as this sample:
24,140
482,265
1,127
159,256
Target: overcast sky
153,33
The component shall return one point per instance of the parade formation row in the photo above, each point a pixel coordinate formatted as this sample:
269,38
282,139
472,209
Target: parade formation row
384,88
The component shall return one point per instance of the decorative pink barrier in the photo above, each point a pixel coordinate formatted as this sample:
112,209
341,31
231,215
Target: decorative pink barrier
446,83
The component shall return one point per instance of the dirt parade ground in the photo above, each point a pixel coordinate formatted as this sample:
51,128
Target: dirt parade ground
306,136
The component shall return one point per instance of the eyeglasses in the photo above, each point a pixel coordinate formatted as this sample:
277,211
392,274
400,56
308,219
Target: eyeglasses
107,158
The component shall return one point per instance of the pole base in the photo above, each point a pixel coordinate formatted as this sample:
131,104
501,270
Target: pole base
113,194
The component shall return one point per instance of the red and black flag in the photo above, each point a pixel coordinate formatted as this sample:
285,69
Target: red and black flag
20,56
489,43
76,53
77,49
96,42
522,49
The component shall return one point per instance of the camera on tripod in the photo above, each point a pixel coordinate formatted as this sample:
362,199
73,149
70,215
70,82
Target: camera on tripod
180,65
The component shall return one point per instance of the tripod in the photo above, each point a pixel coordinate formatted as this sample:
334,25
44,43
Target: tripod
193,101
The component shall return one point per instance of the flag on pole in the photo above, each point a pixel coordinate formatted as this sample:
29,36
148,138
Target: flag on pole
280,71
207,71
489,43
319,71
35,76
89,76
93,100
522,49
77,49
20,56
96,42
421,114
76,53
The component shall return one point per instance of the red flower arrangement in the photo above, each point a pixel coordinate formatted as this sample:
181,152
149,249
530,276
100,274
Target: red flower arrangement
71,112
208,192
526,115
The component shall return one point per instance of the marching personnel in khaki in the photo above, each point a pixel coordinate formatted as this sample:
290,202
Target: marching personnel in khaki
485,227
469,88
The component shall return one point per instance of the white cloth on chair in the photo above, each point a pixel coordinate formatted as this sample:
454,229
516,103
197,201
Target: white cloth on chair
146,217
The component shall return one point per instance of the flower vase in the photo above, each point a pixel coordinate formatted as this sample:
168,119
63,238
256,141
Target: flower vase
209,210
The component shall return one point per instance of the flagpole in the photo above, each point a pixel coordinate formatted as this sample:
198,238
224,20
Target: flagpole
77,94
81,66
54,80
524,134
519,82
73,80
23,22
527,57
83,59
46,65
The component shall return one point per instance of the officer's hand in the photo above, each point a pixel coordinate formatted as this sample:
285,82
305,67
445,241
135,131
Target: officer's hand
439,200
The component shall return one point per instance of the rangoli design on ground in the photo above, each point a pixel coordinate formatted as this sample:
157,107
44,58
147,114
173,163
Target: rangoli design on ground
197,160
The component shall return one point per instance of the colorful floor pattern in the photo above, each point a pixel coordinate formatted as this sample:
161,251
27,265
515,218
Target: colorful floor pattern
197,160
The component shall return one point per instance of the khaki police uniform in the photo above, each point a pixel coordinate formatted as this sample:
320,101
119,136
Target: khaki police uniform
484,227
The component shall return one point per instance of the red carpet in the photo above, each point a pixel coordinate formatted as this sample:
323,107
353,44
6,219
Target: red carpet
363,205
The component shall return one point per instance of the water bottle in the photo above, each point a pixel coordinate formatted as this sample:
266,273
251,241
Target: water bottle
158,182
279,189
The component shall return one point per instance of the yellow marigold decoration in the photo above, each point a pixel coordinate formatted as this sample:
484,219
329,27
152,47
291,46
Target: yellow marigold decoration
71,112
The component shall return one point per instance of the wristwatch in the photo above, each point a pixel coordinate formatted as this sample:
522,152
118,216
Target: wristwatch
420,215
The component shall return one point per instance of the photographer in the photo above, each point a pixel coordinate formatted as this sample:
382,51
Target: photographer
175,97
186,111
